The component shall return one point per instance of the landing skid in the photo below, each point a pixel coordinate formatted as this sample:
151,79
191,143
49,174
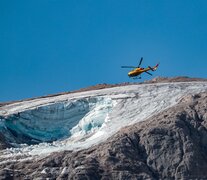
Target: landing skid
136,77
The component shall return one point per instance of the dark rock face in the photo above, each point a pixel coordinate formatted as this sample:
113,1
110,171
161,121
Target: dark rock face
170,145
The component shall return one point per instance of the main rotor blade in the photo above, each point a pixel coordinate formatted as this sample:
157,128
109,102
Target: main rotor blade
140,62
148,73
128,67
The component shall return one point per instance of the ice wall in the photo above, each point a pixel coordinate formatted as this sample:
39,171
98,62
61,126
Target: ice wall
57,121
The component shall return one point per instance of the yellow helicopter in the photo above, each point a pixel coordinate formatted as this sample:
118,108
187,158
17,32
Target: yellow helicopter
137,71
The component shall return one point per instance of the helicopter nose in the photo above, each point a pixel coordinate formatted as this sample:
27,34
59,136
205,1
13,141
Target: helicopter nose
130,74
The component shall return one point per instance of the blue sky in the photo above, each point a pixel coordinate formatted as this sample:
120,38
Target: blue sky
51,46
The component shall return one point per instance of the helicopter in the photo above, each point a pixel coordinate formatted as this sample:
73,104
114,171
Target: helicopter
137,71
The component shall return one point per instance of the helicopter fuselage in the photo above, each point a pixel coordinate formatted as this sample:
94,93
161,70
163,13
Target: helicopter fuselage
137,71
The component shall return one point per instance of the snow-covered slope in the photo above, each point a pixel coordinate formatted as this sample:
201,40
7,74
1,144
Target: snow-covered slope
80,120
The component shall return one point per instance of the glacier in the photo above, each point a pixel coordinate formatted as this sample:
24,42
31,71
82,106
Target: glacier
38,127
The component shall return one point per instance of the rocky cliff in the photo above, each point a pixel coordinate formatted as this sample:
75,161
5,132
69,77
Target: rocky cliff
169,145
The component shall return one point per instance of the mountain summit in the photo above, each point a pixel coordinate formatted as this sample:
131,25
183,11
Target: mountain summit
154,130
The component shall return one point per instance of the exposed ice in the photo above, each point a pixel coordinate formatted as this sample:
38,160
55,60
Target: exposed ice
80,120
94,119
58,120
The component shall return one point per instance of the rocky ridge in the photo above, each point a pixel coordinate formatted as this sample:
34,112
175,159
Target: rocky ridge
104,85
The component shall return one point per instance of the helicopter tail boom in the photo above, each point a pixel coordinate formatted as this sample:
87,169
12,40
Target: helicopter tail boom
153,68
